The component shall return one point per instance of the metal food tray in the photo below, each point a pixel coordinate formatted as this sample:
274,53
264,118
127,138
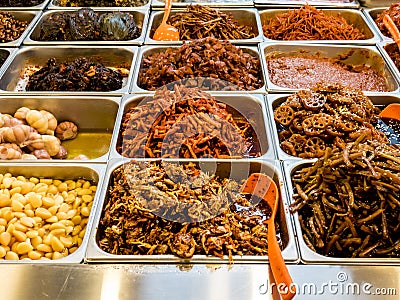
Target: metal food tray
252,107
40,6
94,116
352,16
388,59
376,3
307,255
32,55
146,51
371,14
159,4
239,169
140,17
356,55
275,100
55,5
249,17
25,16
294,3
7,54
91,172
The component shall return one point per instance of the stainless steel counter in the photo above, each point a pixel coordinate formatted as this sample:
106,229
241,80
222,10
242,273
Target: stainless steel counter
146,281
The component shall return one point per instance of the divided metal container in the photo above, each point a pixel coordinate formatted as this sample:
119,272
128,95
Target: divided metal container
94,116
248,17
353,54
6,55
252,107
391,64
146,51
307,255
31,17
233,169
61,4
91,172
10,80
371,14
140,17
352,16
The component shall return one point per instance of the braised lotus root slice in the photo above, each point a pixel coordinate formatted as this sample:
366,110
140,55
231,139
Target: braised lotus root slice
284,115
312,100
298,141
347,125
314,147
309,127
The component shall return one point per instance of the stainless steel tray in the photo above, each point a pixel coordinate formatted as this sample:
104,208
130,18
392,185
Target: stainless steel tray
352,16
307,255
371,14
274,100
140,17
146,51
57,4
390,62
237,170
94,116
40,6
252,107
110,56
249,17
356,55
27,16
7,54
91,172
159,4
296,3
375,3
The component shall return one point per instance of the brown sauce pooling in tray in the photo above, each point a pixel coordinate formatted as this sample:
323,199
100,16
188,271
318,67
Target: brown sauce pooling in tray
299,72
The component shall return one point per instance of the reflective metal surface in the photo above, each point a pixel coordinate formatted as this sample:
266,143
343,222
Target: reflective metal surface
148,281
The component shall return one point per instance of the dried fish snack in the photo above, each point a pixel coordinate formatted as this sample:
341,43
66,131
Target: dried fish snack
186,123
310,121
143,198
199,21
102,3
204,58
81,74
85,25
310,23
394,13
20,3
348,201
10,27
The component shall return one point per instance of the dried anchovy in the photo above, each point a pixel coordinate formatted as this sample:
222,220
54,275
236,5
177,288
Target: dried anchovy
357,204
78,75
141,225
199,21
186,123
220,61
310,23
327,115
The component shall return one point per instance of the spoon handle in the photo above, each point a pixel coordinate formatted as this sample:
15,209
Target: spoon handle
167,10
278,267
